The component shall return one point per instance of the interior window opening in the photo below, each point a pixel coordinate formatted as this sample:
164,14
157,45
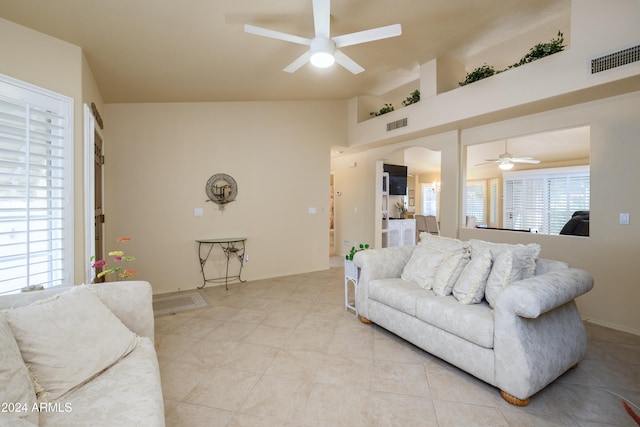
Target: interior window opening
537,183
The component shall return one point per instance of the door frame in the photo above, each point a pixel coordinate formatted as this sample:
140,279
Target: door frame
90,130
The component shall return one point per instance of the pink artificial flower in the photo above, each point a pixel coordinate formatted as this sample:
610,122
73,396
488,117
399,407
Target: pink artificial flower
99,263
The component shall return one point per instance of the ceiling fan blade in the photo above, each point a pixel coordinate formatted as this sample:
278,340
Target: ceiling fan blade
529,160
258,31
302,59
368,35
322,17
347,62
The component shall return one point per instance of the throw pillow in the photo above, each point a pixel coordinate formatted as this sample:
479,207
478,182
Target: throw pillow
511,263
502,273
68,339
524,256
469,288
442,243
423,265
16,389
448,273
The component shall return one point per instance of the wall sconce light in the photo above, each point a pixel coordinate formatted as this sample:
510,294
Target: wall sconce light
435,186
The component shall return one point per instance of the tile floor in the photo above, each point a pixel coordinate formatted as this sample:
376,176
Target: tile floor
284,352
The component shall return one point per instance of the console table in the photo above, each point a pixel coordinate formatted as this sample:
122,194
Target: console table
231,246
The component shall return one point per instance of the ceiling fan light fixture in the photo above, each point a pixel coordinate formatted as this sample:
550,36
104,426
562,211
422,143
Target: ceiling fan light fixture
322,59
505,165
322,52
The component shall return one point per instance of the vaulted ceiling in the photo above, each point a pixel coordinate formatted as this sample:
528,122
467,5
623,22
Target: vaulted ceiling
197,50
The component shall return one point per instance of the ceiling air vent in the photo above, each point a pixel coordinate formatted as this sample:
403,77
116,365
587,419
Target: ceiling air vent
616,59
397,124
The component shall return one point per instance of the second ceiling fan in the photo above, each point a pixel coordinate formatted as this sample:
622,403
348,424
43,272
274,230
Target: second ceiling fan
506,160
323,49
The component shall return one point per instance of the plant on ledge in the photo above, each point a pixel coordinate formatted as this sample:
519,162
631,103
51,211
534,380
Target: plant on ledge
353,251
536,52
412,98
384,110
541,50
103,270
479,73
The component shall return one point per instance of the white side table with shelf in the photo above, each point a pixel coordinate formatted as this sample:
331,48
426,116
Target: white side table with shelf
351,274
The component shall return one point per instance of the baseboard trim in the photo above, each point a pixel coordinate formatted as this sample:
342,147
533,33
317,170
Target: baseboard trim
613,326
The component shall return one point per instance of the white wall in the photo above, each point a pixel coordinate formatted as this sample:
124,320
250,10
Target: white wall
160,156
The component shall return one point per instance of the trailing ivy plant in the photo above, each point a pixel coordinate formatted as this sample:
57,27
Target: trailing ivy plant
412,98
384,110
536,52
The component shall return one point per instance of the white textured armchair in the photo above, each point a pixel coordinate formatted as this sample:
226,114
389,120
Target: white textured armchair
79,356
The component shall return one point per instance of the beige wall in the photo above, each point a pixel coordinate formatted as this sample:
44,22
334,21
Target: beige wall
608,254
159,157
55,65
162,154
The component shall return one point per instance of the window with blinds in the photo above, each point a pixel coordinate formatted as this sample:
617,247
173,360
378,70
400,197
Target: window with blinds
429,200
544,200
476,200
36,222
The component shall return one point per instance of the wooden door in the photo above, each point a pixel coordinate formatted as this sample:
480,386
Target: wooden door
98,213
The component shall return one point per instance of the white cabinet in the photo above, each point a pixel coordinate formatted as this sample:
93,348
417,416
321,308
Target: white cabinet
400,232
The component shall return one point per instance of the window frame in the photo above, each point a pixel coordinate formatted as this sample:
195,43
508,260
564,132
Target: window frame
58,252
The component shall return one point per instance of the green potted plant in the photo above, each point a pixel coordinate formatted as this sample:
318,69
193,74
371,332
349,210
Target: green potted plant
412,98
352,252
536,52
384,110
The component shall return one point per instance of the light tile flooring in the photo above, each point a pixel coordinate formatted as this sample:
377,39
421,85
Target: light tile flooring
284,352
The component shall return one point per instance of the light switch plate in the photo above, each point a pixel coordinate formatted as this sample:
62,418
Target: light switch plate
198,212
624,218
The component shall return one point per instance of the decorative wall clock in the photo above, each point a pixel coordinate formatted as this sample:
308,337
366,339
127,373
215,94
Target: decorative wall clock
221,189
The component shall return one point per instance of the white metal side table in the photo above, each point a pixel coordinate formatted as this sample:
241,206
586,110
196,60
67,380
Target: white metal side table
351,274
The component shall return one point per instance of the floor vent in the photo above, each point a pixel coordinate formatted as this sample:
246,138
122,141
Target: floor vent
397,124
616,59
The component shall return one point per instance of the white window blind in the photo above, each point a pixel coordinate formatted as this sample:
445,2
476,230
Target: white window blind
36,222
429,200
476,200
544,200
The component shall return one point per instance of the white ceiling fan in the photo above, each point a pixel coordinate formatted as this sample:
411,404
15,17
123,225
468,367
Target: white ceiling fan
323,49
506,160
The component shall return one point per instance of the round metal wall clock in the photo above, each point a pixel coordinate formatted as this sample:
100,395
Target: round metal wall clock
221,189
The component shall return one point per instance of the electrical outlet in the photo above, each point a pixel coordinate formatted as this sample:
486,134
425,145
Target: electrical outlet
246,258
346,243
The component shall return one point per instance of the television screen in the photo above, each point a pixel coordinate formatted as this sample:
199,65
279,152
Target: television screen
397,179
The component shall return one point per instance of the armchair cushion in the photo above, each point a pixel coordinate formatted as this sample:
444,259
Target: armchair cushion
68,339
15,383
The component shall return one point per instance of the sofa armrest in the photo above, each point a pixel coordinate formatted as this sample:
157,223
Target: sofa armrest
538,331
131,302
539,294
383,263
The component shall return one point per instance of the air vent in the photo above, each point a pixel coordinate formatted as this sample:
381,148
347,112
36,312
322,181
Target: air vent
397,124
616,59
